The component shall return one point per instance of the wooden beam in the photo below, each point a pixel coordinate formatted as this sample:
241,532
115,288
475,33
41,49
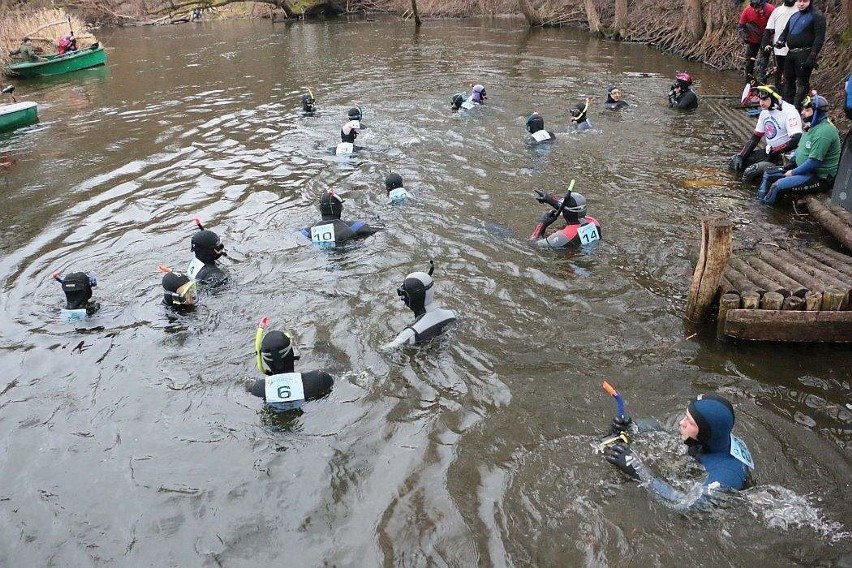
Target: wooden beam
712,259
794,326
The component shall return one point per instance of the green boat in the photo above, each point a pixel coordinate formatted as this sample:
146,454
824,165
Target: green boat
17,114
58,64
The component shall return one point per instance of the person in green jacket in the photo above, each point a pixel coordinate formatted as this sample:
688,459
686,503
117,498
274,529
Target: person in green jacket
817,157
26,51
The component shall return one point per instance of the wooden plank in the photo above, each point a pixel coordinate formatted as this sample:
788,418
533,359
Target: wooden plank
792,326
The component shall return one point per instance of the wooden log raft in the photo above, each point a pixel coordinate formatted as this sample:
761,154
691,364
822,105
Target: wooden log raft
788,325
712,259
828,219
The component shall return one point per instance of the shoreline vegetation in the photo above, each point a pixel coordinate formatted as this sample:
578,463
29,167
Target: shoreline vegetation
697,30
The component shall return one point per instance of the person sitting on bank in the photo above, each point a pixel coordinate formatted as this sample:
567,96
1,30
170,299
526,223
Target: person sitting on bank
332,230
681,95
817,157
283,389
613,98
706,429
537,134
781,126
26,52
580,229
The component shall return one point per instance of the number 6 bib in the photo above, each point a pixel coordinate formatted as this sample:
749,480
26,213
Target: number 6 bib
285,391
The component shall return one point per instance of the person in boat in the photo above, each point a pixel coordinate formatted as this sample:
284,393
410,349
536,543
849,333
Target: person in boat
179,290
706,430
67,44
77,287
430,320
308,104
776,24
817,157
580,228
537,133
804,36
331,230
26,52
396,192
751,25
580,116
779,124
613,98
681,95
282,388
207,248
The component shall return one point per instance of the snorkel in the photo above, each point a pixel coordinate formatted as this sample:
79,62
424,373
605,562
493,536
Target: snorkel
258,340
614,393
565,199
616,437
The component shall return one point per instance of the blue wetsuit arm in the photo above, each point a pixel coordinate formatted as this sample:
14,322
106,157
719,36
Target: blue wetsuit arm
808,168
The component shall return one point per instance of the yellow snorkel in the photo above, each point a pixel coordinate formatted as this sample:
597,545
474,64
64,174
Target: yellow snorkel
258,339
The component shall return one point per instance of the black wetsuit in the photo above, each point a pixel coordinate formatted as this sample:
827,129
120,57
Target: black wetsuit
315,384
804,35
334,231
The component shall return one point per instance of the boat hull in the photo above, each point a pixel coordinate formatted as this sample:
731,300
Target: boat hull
59,64
16,115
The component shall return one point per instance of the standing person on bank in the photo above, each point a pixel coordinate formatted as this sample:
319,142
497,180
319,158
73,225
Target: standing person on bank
804,35
752,23
776,24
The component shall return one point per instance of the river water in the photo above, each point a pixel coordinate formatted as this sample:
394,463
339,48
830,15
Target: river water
130,440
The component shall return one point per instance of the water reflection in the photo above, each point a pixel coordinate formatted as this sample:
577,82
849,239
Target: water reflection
472,450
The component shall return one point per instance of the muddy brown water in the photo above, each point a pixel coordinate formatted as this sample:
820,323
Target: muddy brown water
130,441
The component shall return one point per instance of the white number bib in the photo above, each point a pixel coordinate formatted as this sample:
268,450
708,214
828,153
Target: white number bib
588,233
321,234
356,124
194,266
286,388
344,149
467,105
541,135
398,194
740,451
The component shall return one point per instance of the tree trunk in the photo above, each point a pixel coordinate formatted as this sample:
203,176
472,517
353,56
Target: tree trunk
417,21
694,20
592,16
621,18
530,13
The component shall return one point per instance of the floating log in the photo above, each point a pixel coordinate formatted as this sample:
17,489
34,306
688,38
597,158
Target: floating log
785,263
756,277
825,274
788,283
793,303
796,326
833,300
832,223
771,301
813,301
740,281
728,302
823,257
750,299
715,250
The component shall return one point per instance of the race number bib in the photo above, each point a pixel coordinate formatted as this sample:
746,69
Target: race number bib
541,135
285,390
194,267
356,124
398,194
344,149
740,451
323,234
588,233
468,104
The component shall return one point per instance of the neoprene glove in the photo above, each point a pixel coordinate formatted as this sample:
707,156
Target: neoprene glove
780,44
622,457
620,424
542,196
767,49
809,64
736,163
548,218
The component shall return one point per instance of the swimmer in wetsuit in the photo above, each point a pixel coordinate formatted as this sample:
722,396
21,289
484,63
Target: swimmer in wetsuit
207,249
331,230
580,229
77,287
283,389
537,134
430,320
